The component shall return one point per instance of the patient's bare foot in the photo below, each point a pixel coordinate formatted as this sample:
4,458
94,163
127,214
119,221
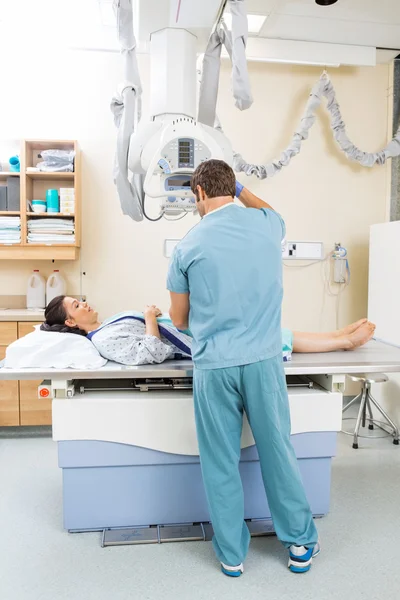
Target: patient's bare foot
361,336
346,331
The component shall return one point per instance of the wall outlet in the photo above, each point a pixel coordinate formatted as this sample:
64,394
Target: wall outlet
169,247
303,251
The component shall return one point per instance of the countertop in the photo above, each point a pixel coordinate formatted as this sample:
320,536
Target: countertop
21,314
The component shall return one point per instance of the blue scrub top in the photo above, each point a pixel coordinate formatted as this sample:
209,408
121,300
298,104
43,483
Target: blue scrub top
231,264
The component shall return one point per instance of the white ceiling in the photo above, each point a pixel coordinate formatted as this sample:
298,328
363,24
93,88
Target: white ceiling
88,23
358,22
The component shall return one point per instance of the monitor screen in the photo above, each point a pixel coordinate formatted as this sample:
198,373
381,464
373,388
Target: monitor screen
183,182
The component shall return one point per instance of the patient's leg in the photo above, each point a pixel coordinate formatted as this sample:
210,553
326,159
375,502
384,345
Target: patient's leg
308,343
328,335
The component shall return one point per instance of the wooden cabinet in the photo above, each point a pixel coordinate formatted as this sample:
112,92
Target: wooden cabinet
19,402
9,392
33,186
8,333
25,327
32,410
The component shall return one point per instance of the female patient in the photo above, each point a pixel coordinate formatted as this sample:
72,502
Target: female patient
129,341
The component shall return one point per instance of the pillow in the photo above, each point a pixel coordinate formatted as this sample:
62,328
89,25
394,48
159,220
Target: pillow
50,349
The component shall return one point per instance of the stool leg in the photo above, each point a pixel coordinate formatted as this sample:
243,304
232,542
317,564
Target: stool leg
351,403
360,414
364,415
371,416
388,419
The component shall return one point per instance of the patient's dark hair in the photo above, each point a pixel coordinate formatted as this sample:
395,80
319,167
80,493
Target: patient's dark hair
215,177
56,315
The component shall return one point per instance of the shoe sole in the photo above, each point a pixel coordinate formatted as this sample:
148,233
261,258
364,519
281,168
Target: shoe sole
231,573
301,567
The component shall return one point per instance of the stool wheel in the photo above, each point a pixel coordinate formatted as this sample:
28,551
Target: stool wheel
371,427
355,446
396,442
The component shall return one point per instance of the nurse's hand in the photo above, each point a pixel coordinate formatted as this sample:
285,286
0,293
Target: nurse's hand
152,311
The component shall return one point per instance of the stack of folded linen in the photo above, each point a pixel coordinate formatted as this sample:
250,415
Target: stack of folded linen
10,230
51,231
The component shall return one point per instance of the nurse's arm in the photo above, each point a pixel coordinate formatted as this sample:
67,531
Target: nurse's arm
250,200
179,311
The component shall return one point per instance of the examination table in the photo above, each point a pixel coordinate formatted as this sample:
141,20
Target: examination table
127,443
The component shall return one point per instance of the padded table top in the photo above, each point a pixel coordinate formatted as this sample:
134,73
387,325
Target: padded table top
374,357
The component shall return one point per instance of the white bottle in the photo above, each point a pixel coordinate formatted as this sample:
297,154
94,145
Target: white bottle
36,292
56,286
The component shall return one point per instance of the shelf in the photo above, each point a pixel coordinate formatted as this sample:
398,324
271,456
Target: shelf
54,144
51,176
34,214
37,252
9,213
5,174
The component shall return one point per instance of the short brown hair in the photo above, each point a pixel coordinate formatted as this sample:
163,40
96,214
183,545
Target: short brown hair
215,177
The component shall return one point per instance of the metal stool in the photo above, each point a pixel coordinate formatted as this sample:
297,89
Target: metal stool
366,379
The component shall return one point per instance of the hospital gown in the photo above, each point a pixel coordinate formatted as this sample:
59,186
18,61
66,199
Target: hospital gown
125,341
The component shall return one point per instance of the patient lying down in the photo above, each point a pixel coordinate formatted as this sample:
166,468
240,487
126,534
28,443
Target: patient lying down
135,339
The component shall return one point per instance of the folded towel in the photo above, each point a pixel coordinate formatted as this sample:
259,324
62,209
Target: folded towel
51,232
51,239
10,222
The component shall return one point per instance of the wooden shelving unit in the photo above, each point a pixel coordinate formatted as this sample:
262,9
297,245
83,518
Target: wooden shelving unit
41,215
33,186
5,174
50,176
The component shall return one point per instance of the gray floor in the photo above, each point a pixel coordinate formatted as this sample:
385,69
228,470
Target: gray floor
39,561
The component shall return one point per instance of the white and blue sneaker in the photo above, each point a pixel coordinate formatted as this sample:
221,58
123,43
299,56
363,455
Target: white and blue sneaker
232,571
300,558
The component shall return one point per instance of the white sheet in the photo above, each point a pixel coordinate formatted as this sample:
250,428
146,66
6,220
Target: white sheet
46,349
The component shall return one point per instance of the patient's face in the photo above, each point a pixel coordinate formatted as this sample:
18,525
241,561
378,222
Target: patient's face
79,313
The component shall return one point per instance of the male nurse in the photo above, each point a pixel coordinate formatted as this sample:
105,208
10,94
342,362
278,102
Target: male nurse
225,281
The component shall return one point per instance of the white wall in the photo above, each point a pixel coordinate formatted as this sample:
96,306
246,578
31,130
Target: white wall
321,195
383,302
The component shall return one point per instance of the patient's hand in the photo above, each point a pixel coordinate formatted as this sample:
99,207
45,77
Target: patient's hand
152,311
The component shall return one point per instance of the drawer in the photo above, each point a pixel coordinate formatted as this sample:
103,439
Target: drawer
9,404
33,410
25,327
8,333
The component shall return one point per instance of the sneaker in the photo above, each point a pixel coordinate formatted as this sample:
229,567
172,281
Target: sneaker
300,558
232,571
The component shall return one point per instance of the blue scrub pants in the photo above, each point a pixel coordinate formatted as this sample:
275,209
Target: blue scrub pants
221,396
